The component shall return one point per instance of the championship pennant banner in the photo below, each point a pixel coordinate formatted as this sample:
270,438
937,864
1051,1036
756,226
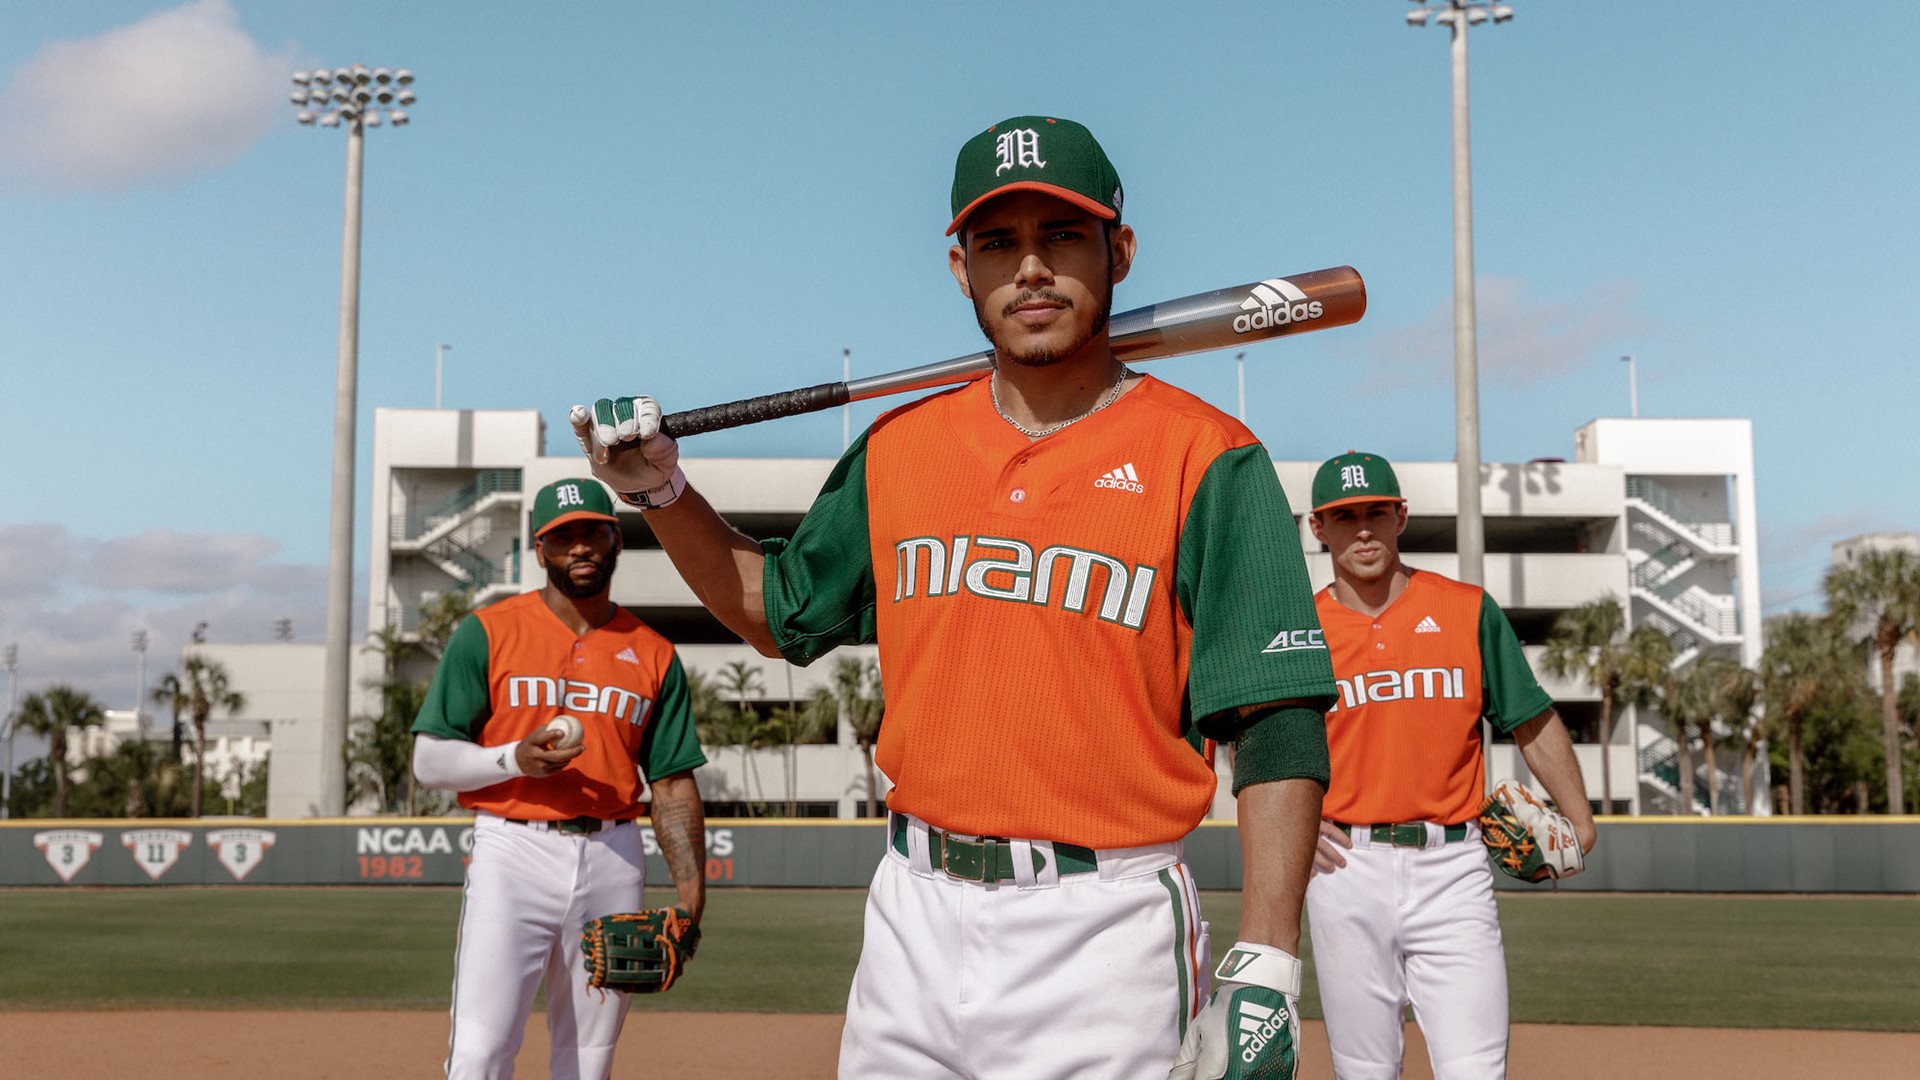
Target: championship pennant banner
414,851
1864,855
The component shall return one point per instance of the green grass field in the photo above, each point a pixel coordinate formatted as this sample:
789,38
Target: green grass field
1711,961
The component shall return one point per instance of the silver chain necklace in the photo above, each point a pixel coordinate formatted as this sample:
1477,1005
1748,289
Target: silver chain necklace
993,390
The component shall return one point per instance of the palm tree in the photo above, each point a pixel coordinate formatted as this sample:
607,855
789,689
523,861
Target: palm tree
741,680
50,714
1685,701
208,688
1805,657
1589,642
173,695
1730,692
796,723
1878,595
861,706
441,616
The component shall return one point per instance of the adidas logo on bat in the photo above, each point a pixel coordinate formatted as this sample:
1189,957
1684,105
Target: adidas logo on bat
1275,302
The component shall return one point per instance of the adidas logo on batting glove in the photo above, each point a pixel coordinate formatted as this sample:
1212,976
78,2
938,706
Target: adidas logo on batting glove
1250,1029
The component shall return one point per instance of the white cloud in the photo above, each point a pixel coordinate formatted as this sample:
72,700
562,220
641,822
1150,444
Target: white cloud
175,94
1520,340
71,604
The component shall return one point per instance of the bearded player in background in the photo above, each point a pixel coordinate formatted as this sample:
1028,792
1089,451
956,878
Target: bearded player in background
1073,572
555,841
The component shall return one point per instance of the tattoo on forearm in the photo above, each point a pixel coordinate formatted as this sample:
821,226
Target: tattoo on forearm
680,825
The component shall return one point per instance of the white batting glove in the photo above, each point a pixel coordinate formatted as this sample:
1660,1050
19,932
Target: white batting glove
1250,1029
627,450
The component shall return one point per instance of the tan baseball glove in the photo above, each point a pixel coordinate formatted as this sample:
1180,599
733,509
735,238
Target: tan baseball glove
1526,836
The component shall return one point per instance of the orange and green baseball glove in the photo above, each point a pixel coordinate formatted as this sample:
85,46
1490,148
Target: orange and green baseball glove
639,953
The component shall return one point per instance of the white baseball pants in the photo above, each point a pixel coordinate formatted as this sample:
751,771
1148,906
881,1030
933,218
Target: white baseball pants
528,890
1089,975
1399,926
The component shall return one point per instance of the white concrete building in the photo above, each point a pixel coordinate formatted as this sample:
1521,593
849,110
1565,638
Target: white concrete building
237,747
1693,564
1658,512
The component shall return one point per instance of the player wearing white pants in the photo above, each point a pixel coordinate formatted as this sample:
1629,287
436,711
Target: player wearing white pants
1075,576
554,839
1405,925
1401,903
1044,974
529,887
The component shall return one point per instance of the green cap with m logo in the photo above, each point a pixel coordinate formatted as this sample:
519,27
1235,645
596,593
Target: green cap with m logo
575,499
1354,477
1035,153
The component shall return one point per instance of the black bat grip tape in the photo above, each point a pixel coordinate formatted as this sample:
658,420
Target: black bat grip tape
754,410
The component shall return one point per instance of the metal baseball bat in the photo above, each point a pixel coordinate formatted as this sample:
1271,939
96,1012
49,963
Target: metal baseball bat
1220,319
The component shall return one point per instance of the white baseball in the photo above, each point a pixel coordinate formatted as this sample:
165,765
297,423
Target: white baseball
569,730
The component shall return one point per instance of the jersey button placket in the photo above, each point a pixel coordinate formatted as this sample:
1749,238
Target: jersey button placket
1016,482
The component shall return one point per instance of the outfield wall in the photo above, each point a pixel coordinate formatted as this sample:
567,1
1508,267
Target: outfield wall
1857,855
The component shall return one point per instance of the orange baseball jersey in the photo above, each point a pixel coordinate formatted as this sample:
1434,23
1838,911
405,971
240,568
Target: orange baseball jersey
1414,682
513,666
1055,615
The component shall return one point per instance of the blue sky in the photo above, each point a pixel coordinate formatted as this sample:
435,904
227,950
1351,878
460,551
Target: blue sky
704,201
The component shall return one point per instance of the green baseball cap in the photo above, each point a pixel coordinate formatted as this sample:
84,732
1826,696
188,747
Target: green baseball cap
1035,153
1354,477
576,499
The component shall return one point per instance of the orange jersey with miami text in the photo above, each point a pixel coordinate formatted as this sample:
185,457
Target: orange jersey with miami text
1053,615
513,666
1414,682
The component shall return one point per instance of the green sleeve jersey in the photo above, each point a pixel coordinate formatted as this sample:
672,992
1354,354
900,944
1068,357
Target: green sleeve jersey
670,744
819,584
1511,694
458,704
1242,584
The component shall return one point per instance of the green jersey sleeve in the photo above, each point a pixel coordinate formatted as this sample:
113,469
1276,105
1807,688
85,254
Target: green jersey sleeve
1242,583
458,704
819,584
669,744
1512,695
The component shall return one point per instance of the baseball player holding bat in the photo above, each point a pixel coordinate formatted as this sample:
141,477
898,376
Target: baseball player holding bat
1074,573
555,842
1401,904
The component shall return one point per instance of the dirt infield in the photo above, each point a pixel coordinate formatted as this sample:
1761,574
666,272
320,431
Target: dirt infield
174,1045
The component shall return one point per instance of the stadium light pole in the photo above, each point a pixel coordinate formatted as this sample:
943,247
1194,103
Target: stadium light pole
140,687
439,352
356,98
12,655
1633,388
1457,15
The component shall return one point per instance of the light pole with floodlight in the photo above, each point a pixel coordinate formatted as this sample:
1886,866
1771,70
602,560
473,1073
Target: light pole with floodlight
356,98
1457,15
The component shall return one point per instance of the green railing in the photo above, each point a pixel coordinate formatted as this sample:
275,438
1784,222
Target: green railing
484,483
1658,564
1651,493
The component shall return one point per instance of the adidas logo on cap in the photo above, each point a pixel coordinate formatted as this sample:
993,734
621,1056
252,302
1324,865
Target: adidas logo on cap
1122,479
